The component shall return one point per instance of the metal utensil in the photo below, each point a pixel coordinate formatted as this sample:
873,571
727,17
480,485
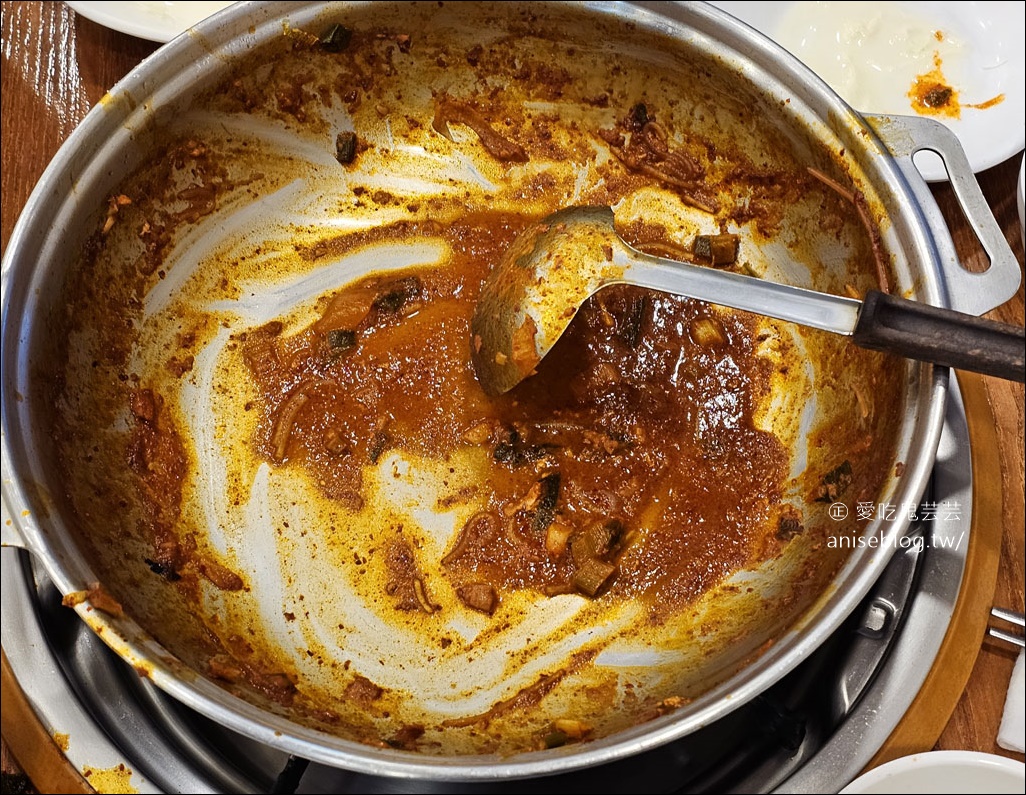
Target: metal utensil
1016,619
532,294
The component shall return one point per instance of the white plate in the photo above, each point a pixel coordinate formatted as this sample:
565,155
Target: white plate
943,772
154,21
983,56
1020,198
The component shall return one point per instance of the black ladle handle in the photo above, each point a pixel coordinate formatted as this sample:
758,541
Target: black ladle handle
940,336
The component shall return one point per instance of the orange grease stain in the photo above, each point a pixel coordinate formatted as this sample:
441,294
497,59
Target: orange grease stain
111,780
931,94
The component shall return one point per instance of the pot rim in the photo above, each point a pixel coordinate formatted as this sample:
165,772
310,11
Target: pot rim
160,76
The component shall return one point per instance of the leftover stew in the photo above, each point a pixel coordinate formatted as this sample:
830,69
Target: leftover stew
628,466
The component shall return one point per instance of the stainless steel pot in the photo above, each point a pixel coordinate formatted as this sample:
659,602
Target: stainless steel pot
119,136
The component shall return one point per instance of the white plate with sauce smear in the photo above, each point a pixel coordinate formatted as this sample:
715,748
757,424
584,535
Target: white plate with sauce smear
888,57
154,21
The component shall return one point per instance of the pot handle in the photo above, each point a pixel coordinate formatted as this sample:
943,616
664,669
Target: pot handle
941,336
972,293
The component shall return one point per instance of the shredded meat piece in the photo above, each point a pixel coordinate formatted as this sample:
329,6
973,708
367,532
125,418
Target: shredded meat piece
478,596
449,110
102,600
276,686
144,406
642,145
114,205
222,666
98,597
157,457
405,580
525,503
259,351
363,691
179,367
348,309
223,578
201,200
228,667
858,199
292,98
406,738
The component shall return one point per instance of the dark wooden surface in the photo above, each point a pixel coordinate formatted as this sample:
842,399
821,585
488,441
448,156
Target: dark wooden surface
978,714
55,66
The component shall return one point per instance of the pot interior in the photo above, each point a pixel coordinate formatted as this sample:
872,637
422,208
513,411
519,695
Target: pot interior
258,181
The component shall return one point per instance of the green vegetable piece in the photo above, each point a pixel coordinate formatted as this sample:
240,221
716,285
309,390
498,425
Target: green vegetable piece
556,739
336,38
397,295
380,442
345,147
835,483
545,512
590,578
340,340
638,116
717,249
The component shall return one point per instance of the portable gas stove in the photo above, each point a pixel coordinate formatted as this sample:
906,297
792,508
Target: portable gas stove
812,732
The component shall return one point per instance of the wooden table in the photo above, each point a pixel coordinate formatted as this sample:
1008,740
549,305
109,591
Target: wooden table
56,66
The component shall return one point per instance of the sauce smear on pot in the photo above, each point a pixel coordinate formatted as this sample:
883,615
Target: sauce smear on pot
275,453
628,466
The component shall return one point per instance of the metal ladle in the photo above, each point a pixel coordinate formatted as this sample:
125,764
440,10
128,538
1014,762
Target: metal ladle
534,291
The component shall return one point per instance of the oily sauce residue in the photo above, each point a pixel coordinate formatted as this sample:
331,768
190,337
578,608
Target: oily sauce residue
932,95
116,779
628,465
311,499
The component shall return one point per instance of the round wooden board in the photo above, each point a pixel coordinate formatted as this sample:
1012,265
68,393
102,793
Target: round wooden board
35,751
923,723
